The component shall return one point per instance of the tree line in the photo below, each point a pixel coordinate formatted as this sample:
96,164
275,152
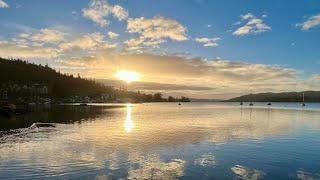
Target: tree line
62,85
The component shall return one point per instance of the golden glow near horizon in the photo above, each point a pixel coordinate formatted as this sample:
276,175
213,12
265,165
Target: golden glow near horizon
128,76
128,125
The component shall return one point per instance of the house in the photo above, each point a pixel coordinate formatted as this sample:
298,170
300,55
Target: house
3,94
43,90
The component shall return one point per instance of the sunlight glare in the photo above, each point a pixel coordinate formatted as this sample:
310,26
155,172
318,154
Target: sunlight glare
128,76
128,125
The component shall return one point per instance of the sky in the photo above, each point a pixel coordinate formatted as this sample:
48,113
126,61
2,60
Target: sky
197,48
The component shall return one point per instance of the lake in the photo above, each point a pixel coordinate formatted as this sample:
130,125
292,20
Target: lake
163,141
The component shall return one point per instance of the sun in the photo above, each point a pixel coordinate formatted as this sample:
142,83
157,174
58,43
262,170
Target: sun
128,76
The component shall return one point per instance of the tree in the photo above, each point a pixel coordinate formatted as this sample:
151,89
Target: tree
184,99
157,97
171,99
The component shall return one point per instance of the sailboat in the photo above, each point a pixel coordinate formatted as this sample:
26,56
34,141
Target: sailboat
269,103
241,103
251,104
303,104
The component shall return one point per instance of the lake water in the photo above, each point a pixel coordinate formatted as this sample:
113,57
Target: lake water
163,141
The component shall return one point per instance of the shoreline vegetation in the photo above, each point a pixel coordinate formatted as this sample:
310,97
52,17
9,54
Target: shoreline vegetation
23,82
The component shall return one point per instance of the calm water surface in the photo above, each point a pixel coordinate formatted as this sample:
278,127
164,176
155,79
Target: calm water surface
163,141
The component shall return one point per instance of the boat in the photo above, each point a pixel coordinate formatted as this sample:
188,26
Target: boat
8,110
31,104
83,104
303,104
179,104
269,104
251,103
241,103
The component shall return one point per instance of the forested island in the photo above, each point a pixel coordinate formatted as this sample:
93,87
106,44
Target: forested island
25,81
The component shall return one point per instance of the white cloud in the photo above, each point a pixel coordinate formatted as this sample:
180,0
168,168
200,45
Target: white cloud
47,36
9,49
154,43
40,37
36,44
20,41
157,28
113,35
91,41
3,4
120,13
254,25
24,35
100,10
208,42
312,21
247,16
134,43
51,43
154,31
316,78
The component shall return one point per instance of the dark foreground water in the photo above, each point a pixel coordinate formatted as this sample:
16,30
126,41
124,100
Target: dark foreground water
163,141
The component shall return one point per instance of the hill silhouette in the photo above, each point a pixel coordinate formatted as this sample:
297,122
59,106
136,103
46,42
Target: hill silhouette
310,96
16,71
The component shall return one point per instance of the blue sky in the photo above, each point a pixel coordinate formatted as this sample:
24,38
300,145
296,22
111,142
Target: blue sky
282,34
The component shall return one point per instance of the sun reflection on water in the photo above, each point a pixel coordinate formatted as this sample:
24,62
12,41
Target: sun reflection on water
128,125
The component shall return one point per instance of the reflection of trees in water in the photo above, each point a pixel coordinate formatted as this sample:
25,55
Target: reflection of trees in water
55,114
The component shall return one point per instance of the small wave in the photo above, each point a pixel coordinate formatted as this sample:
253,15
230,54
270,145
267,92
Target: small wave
39,125
25,132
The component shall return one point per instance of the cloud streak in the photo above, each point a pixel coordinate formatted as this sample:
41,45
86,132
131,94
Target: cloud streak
46,36
312,22
92,41
113,35
208,42
254,25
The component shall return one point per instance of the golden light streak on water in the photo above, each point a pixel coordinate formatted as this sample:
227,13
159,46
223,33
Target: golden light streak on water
128,125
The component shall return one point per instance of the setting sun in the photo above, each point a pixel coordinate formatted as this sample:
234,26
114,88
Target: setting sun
128,76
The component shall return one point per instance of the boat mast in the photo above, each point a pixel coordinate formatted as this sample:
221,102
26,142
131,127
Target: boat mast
251,104
303,104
